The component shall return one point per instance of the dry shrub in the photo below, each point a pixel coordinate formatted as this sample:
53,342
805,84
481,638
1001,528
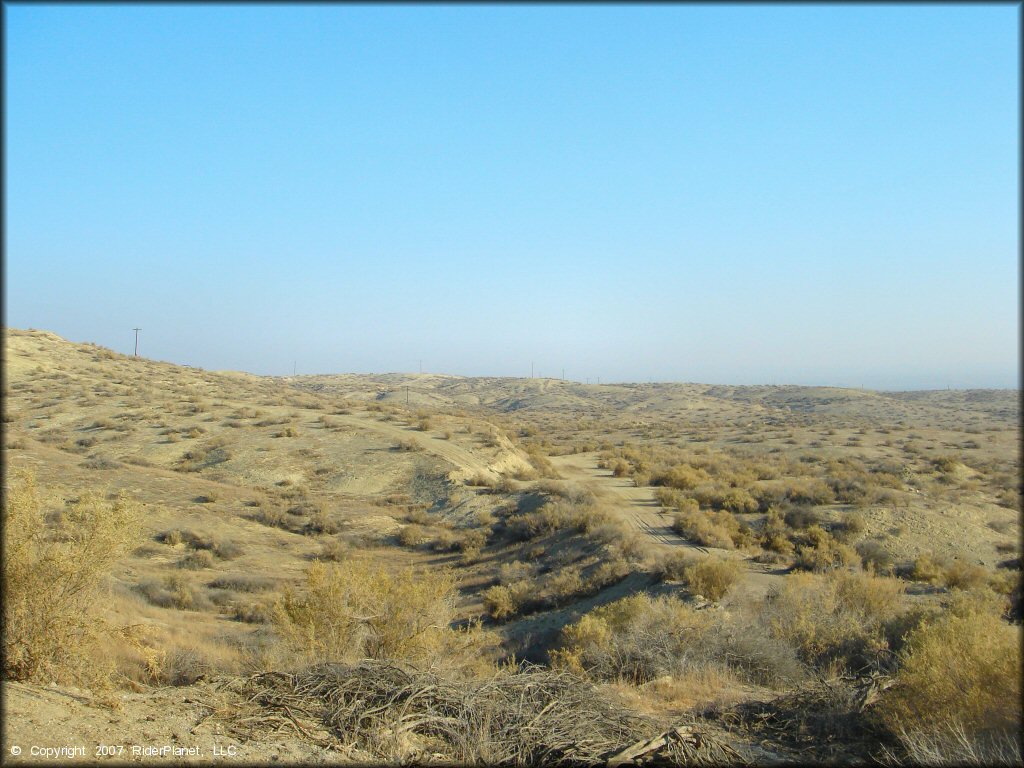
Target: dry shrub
640,638
927,567
961,575
364,610
561,585
637,639
952,745
502,601
510,573
854,524
802,517
479,480
718,497
838,617
823,553
446,541
174,591
51,578
171,538
319,522
875,557
541,463
418,515
471,540
228,549
571,492
671,566
946,464
196,561
255,612
682,477
961,669
243,583
810,491
558,516
712,529
335,550
611,570
711,577
413,535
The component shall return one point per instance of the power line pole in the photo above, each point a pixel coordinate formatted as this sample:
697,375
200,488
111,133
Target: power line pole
531,369
295,366
136,340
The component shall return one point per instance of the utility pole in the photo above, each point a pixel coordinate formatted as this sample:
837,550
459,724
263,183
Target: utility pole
136,340
563,374
295,366
531,369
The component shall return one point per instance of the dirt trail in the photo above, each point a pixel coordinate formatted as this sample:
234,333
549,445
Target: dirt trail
643,512
637,505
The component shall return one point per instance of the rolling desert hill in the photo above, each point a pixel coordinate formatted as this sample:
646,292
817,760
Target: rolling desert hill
546,501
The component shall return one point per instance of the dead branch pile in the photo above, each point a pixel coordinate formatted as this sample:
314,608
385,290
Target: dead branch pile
389,712
822,720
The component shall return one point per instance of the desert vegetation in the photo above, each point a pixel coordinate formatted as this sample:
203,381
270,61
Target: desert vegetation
731,560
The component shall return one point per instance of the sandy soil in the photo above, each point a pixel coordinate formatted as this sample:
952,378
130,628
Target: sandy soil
172,726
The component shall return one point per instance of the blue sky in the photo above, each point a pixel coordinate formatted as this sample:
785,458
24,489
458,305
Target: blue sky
746,194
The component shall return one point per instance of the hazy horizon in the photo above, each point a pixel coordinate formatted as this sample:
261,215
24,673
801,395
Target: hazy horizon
811,195
538,374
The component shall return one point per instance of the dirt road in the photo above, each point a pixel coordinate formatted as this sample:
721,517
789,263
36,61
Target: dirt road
639,507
